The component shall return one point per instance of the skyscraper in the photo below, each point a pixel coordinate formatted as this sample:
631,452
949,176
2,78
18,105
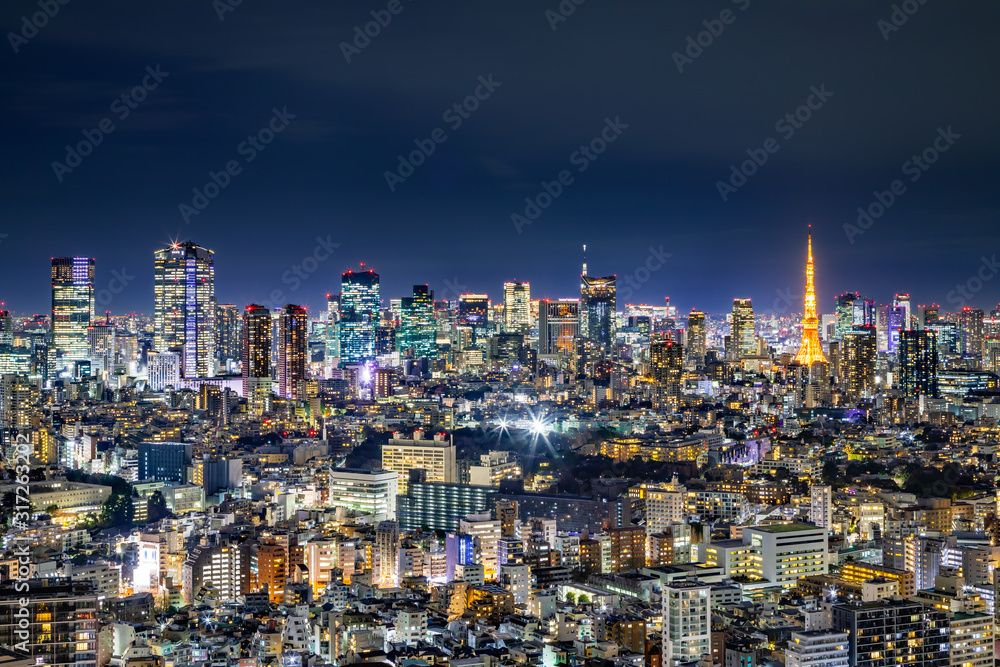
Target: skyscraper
228,340
918,363
72,305
332,353
741,330
598,305
184,306
417,327
516,307
858,366
558,325
359,315
811,350
848,307
970,322
474,313
256,354
101,347
666,361
293,333
696,339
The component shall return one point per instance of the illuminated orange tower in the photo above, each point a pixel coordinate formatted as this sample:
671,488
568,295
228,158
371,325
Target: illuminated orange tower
810,352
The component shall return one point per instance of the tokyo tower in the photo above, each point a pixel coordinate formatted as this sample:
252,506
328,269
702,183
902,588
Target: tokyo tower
811,351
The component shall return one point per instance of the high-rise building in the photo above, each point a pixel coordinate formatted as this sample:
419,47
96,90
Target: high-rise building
228,342
256,353
184,306
970,323
848,311
666,362
436,457
387,554
485,533
516,307
874,627
742,334
101,348
293,333
687,622
61,628
163,370
811,350
72,305
332,353
858,365
903,301
368,491
474,313
558,325
598,305
929,315
695,350
417,326
918,363
817,648
821,505
6,328
360,301
164,461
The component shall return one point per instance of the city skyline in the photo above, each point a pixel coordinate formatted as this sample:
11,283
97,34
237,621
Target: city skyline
655,186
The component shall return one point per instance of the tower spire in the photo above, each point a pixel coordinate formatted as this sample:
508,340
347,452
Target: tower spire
811,351
584,260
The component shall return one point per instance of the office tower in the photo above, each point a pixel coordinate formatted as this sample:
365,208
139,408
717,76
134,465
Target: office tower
163,369
810,350
57,627
474,313
256,354
696,339
929,314
6,328
666,361
845,306
101,348
417,326
164,461
359,315
439,506
558,325
387,554
890,324
332,353
868,314
821,505
970,323
184,307
385,340
598,310
817,648
858,365
436,457
665,505
228,342
516,307
367,491
72,305
991,355
221,475
903,301
918,363
485,533
874,628
687,622
293,332
741,330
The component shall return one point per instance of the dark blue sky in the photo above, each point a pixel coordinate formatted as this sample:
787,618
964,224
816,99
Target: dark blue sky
655,185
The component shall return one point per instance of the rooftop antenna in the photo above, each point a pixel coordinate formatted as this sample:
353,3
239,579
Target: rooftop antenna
584,260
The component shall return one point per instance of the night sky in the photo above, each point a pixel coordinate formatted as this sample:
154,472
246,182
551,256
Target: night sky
885,92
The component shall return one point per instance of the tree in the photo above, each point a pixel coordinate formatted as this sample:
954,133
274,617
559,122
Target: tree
156,507
583,599
118,511
571,598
